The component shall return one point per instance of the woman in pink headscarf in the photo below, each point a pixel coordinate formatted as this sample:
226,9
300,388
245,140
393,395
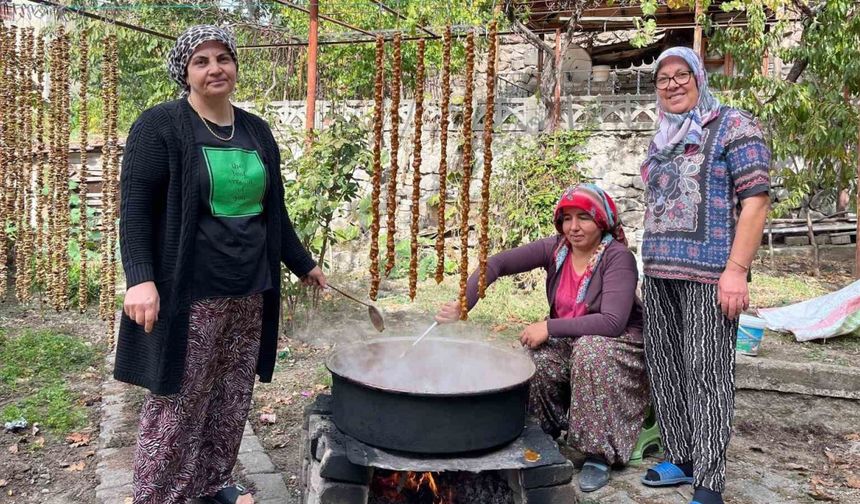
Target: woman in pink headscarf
590,378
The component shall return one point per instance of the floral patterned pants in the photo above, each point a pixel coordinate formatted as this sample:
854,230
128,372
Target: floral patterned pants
595,388
188,442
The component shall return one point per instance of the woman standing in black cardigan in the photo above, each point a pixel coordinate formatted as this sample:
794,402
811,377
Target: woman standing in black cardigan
203,230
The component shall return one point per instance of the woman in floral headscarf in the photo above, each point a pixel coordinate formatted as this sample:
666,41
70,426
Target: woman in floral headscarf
203,230
706,178
590,377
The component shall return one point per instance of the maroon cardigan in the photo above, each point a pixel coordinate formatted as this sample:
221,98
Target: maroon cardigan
611,303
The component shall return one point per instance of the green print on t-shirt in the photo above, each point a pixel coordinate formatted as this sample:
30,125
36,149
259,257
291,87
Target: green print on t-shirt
237,182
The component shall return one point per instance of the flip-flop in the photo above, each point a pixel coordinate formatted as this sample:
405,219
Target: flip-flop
669,474
228,495
594,476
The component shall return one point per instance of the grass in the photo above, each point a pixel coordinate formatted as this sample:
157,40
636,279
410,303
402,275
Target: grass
35,368
510,303
768,290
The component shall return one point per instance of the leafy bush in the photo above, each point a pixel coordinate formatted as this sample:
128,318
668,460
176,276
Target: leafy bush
533,172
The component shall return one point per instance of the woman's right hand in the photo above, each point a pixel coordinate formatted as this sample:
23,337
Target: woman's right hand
142,304
448,312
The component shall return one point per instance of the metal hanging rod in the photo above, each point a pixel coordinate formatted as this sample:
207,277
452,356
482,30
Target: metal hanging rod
324,17
401,16
84,13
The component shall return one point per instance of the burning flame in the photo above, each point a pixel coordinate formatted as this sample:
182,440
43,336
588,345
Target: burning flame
398,485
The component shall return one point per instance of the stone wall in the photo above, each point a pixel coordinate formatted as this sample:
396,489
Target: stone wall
615,152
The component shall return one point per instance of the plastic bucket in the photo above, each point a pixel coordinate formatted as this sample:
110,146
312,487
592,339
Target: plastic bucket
750,333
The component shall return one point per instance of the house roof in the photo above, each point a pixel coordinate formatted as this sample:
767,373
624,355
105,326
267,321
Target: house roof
605,15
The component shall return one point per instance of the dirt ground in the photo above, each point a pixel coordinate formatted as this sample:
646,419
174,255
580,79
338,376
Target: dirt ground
41,466
808,447
805,460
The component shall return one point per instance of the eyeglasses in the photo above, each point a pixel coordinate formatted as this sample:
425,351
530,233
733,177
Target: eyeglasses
680,79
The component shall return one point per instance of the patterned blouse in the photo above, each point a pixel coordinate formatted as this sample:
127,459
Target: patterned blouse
693,200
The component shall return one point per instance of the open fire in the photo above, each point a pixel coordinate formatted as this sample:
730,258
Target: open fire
449,487
410,487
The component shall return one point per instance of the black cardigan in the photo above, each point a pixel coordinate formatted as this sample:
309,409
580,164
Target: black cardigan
158,222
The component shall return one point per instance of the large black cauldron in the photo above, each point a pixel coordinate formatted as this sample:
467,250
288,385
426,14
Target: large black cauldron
443,396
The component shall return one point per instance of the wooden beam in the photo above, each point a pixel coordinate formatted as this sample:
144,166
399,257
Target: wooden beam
698,48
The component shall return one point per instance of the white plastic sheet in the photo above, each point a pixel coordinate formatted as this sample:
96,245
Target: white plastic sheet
826,316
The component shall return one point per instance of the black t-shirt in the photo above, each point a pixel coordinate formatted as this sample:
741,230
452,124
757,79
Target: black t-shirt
230,248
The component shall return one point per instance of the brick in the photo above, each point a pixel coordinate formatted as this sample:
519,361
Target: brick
321,491
256,462
250,444
335,465
320,406
559,494
548,475
794,241
269,486
317,425
840,239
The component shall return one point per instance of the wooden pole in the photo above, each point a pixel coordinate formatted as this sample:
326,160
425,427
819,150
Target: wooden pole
697,32
556,106
313,31
857,213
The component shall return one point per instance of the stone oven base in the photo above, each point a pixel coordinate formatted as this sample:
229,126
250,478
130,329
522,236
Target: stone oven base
338,469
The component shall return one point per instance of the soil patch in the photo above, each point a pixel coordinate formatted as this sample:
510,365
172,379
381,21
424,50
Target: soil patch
54,462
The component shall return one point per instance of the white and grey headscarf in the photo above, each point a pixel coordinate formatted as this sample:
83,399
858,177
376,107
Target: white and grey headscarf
187,43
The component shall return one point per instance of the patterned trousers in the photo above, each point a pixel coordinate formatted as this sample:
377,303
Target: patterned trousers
595,388
188,442
690,352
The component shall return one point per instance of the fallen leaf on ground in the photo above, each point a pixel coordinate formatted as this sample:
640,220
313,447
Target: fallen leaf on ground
853,437
819,493
319,387
268,418
797,467
3,483
77,466
39,441
13,449
36,429
853,481
78,439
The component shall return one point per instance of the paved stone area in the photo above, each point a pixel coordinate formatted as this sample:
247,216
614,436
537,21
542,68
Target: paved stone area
116,449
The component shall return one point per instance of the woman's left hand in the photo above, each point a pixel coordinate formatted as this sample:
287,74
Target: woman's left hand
315,277
534,335
733,292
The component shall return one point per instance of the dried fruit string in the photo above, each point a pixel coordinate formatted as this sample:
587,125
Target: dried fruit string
60,211
394,117
376,176
484,239
416,170
110,168
443,154
5,109
24,239
467,174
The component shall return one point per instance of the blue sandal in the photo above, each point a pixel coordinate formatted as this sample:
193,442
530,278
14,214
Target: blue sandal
669,474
